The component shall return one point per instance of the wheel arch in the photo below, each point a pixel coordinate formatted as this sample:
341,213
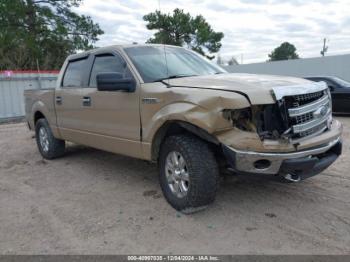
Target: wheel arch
173,127
39,111
38,115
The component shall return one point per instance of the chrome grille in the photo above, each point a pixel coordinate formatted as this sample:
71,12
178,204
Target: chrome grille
308,114
303,118
314,130
306,98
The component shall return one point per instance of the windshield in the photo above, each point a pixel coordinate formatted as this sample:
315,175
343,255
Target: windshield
341,82
154,64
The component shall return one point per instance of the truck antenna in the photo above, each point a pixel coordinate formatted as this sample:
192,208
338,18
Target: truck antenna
165,58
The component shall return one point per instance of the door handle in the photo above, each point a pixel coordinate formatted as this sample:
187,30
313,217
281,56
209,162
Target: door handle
86,101
58,100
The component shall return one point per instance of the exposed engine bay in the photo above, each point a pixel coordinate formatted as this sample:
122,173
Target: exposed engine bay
292,117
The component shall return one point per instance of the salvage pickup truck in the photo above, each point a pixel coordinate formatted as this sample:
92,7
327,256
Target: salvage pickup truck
171,106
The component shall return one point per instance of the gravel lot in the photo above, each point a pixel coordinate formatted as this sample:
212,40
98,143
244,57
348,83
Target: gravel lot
92,202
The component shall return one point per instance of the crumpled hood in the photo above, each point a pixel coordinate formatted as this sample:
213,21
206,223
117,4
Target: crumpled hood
257,87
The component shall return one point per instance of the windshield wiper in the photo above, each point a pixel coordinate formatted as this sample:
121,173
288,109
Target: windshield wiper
172,77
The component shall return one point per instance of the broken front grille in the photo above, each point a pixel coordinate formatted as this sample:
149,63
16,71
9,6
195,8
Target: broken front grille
306,98
308,114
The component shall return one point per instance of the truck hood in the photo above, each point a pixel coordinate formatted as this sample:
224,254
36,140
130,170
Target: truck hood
260,89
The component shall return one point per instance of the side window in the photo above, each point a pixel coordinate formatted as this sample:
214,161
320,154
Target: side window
108,64
73,74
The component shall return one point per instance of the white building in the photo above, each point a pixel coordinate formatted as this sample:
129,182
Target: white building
329,66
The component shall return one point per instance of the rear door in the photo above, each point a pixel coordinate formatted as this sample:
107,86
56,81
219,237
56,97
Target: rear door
68,98
111,118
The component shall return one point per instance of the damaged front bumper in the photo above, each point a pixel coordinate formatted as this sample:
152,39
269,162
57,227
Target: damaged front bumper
303,164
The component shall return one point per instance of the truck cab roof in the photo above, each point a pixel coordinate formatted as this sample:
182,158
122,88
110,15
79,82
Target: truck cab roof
113,47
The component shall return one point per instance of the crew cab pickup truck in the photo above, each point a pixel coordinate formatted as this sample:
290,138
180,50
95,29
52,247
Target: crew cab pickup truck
171,106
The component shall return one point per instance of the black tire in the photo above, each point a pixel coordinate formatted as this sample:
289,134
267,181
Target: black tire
56,147
203,173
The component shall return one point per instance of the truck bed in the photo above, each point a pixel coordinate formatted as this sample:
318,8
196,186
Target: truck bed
38,97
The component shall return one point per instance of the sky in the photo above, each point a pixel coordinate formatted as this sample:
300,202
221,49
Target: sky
252,28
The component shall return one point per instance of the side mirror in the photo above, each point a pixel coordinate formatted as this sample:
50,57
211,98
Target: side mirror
114,82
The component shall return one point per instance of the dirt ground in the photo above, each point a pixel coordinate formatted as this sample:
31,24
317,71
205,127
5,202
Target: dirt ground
92,202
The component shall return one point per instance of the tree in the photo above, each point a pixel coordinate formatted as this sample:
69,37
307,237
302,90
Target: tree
182,29
285,51
42,32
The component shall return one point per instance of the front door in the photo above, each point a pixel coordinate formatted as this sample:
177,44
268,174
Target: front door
111,118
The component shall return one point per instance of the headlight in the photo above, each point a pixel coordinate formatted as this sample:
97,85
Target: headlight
330,119
330,98
240,118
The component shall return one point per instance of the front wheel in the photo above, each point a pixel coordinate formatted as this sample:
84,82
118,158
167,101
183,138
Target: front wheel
188,172
49,146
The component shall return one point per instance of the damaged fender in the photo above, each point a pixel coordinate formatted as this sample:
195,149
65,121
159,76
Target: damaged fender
200,108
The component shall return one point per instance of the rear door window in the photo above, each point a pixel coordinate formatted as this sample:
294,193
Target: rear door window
74,73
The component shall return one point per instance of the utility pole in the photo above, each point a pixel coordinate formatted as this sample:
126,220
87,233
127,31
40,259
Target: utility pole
325,48
219,60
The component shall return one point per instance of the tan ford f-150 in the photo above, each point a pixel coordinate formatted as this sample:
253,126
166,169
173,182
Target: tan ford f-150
171,106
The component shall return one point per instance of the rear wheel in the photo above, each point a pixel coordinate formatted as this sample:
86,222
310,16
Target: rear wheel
188,172
49,146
